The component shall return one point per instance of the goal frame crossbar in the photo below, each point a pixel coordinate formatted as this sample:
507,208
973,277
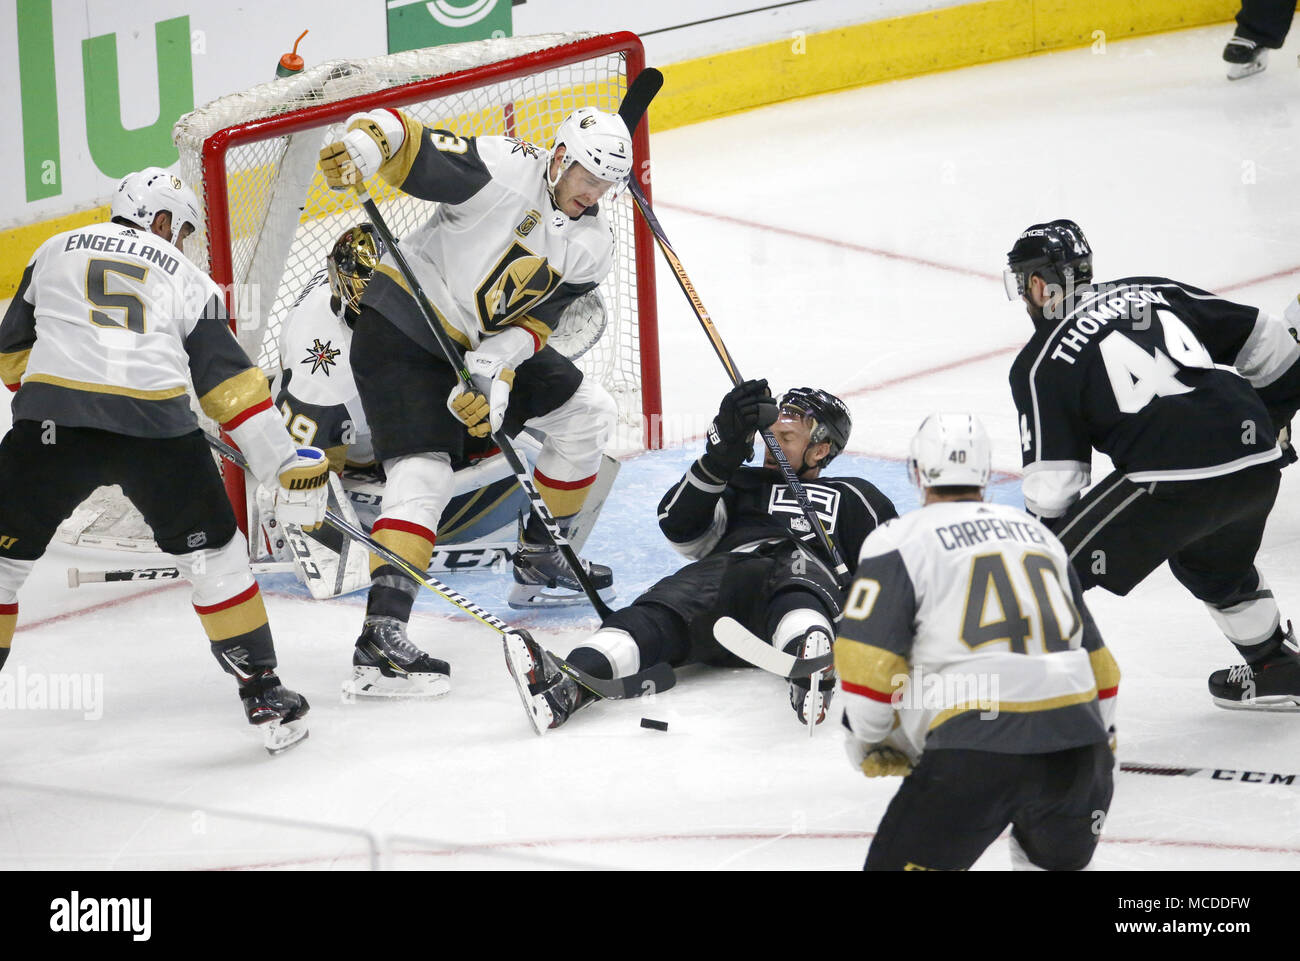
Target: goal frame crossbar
217,146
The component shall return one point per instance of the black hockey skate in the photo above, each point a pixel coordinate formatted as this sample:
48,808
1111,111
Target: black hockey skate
1244,58
1271,684
807,702
275,710
386,664
543,578
549,695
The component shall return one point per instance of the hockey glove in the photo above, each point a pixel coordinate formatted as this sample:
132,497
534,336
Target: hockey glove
745,408
482,407
304,489
876,760
370,142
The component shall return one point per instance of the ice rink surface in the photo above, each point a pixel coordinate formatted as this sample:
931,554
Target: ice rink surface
852,241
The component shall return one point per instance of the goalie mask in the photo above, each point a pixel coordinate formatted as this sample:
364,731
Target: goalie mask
950,450
827,417
351,261
142,195
599,141
1058,252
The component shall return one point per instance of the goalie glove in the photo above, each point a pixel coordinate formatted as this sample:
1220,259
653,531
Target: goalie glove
876,760
304,489
481,407
370,142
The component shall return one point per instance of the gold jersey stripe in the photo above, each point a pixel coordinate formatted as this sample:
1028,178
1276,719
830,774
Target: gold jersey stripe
13,365
412,548
8,622
165,393
869,666
538,327
395,275
243,618
1104,669
1016,707
398,167
234,395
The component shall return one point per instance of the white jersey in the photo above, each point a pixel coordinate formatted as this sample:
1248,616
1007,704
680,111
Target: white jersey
315,390
496,253
965,618
109,327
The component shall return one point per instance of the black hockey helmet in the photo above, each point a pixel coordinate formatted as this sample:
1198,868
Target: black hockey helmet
829,416
351,261
1058,252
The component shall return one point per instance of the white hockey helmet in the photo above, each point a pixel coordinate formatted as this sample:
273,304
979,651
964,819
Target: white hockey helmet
599,141
950,450
141,195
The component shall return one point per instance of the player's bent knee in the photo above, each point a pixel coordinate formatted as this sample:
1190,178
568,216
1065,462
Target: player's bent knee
217,575
417,489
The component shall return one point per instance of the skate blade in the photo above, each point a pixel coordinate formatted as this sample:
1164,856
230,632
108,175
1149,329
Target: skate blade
1240,71
1281,703
371,682
278,736
525,596
520,663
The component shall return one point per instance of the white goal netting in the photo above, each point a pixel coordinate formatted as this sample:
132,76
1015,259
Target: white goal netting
270,219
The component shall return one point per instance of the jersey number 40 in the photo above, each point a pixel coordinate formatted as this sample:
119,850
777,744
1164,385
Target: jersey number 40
995,610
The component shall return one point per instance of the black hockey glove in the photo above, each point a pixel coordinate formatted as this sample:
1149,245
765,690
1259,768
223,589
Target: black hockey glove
745,409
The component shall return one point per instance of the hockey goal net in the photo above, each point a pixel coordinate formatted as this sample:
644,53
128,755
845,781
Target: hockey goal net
270,219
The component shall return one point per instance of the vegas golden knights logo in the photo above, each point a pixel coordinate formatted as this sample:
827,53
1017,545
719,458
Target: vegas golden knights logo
520,280
528,223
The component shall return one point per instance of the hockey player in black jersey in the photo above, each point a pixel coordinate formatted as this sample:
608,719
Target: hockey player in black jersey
1190,395
755,556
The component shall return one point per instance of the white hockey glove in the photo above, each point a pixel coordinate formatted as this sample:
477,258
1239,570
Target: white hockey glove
304,489
482,406
876,760
370,142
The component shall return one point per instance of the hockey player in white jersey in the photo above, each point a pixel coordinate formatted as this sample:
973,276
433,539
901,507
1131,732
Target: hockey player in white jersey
109,324
969,663
517,237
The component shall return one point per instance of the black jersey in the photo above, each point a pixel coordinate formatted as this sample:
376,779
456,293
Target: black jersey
703,515
1142,369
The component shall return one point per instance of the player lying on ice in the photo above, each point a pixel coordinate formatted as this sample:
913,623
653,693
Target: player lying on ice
754,558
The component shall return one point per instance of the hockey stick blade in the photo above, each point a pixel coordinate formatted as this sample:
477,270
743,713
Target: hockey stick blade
748,646
639,94
660,677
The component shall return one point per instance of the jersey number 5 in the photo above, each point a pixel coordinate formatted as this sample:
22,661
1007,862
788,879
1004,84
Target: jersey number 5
990,579
98,294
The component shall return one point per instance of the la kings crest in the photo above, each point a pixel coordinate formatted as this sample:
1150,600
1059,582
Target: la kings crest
825,502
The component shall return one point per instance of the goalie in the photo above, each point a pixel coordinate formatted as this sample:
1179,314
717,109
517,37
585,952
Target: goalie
517,238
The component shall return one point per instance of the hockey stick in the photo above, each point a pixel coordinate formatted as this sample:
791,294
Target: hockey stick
457,363
736,638
659,677
1234,775
778,455
77,576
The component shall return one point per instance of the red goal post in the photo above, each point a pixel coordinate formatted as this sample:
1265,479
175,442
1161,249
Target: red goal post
269,219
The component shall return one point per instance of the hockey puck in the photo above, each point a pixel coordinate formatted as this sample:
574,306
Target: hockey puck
653,724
